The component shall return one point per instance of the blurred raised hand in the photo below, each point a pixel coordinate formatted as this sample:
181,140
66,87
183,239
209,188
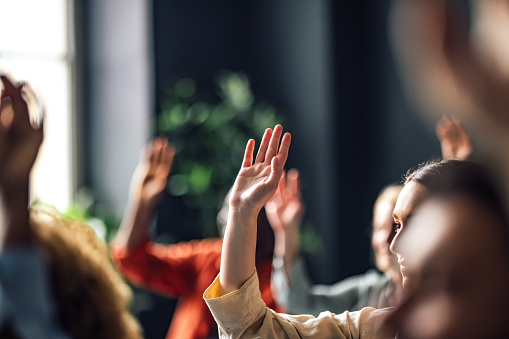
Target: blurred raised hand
448,68
454,139
19,138
147,188
285,209
151,175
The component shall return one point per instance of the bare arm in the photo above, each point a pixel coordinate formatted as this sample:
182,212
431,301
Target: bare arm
255,184
19,144
147,187
285,211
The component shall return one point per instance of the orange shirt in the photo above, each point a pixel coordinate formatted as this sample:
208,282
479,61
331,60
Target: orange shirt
183,271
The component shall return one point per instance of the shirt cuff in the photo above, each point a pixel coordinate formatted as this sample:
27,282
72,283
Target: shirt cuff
238,308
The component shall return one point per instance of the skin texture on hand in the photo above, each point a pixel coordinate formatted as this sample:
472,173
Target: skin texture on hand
147,187
285,211
255,184
19,145
454,139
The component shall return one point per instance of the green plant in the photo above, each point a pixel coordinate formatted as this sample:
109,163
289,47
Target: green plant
210,138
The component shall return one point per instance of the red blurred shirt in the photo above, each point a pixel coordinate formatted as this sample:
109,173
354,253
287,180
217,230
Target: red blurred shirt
183,271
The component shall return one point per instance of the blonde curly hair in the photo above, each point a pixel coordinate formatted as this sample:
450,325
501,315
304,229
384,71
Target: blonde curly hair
92,299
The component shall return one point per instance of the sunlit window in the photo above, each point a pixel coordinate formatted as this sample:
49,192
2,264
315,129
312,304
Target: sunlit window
37,46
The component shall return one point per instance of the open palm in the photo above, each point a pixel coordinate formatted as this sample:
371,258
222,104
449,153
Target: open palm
256,182
151,175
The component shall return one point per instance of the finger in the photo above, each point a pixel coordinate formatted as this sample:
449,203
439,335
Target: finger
156,152
284,148
282,183
151,154
248,155
164,146
440,130
275,172
459,126
169,155
274,143
6,114
9,88
260,157
293,180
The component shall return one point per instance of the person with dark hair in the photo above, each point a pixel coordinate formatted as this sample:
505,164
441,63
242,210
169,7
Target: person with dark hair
455,250
419,184
182,270
234,298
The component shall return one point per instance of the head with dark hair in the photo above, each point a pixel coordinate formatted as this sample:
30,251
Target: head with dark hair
435,175
455,253
438,178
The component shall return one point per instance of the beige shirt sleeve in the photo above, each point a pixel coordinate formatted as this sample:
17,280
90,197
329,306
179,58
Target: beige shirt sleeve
243,314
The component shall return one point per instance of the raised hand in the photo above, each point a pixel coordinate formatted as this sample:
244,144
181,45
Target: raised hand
147,187
449,70
454,139
285,209
256,182
151,175
19,139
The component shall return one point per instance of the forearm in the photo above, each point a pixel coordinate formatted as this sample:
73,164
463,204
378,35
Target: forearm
14,216
287,247
239,248
134,229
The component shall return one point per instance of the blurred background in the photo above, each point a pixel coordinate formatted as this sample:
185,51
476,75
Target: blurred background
210,75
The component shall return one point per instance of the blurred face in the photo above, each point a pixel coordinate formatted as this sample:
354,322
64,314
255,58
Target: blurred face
386,261
461,291
409,199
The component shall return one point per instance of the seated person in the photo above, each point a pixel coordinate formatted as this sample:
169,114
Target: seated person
376,288
56,278
293,288
182,270
234,298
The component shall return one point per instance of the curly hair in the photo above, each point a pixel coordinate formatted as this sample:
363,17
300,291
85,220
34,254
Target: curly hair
92,299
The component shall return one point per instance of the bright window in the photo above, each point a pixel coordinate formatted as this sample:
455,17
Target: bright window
37,46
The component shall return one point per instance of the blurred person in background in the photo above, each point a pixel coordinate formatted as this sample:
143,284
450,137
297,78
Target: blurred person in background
293,288
56,279
182,270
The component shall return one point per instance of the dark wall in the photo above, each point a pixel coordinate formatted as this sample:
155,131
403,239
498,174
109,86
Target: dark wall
327,66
